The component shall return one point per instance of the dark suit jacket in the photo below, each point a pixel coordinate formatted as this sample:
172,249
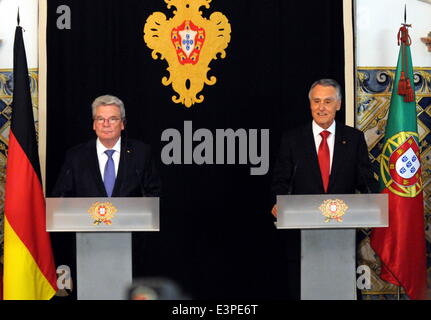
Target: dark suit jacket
136,176
297,168
80,177
297,172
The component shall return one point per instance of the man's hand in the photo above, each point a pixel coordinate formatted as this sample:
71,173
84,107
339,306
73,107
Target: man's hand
274,210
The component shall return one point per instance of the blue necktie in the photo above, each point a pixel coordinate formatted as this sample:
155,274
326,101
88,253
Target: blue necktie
109,174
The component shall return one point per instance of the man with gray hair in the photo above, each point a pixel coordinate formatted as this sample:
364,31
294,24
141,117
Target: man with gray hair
324,156
109,165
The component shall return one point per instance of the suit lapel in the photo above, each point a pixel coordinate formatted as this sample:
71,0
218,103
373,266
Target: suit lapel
311,156
95,168
122,167
339,152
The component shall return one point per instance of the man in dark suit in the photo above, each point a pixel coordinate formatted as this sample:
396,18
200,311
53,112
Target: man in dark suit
109,165
324,156
299,169
106,166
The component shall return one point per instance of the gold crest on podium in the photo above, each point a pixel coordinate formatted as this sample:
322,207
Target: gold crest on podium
188,42
102,212
333,209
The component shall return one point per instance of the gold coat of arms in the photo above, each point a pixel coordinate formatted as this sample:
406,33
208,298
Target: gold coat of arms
333,209
102,212
188,42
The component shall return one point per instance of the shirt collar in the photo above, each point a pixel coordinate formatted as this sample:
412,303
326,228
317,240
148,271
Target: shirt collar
101,148
317,129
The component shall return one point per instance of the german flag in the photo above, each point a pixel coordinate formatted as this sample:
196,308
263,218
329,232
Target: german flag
29,269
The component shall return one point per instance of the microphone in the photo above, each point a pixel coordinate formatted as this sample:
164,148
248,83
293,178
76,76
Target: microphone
124,144
139,175
64,187
292,177
364,181
289,190
124,150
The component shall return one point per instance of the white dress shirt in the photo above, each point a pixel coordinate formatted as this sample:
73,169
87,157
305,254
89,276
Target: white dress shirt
331,139
103,157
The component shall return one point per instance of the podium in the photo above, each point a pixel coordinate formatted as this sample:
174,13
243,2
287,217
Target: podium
103,229
328,226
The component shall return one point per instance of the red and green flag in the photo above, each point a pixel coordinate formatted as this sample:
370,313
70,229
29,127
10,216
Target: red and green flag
401,246
29,269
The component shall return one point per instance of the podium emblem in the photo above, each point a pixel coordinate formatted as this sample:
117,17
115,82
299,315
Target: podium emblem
333,209
102,212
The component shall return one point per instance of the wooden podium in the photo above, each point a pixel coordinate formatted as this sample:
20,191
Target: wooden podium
328,226
103,229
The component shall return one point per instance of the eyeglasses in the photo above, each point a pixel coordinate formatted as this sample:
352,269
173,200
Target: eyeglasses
326,102
111,120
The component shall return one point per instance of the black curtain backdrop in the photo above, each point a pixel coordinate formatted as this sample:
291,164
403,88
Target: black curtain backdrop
217,237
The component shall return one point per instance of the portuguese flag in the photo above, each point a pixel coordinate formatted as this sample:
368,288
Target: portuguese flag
401,246
29,270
